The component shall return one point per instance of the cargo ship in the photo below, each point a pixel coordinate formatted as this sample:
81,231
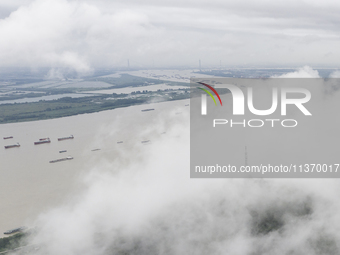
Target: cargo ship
95,150
43,140
15,230
120,142
12,146
146,110
61,159
65,138
8,137
62,151
144,142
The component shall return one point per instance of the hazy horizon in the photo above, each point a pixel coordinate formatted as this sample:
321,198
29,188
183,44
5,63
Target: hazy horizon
85,35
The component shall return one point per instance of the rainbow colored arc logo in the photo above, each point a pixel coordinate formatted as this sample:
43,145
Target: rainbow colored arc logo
208,92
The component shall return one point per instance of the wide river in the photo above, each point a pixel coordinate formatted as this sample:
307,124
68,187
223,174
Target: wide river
30,185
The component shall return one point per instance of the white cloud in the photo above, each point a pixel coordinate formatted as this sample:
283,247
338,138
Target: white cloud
335,74
59,33
303,72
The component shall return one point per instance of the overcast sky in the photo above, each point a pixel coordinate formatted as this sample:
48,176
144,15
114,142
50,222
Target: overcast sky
85,35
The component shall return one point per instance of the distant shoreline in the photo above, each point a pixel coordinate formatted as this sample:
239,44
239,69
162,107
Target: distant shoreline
64,107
